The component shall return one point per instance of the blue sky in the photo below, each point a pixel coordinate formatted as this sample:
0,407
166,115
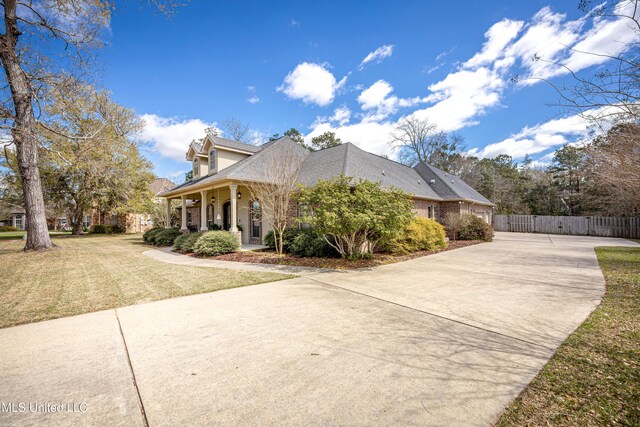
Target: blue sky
354,68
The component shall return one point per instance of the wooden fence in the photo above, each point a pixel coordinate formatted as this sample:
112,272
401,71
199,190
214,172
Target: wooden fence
605,226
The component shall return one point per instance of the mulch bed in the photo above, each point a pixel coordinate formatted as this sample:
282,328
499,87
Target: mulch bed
269,257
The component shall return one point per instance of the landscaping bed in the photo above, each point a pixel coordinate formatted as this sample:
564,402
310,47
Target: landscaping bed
594,377
270,257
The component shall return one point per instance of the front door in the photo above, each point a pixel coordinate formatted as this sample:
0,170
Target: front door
255,223
226,213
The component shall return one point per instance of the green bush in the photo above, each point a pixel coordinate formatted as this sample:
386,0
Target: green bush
287,239
8,228
307,243
214,227
184,243
214,243
105,229
149,235
421,234
165,237
474,228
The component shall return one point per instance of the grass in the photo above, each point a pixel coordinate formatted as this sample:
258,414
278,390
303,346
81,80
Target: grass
14,235
594,377
92,273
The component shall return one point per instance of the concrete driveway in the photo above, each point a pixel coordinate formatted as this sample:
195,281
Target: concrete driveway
448,339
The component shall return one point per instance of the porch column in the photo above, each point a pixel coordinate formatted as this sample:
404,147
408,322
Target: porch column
234,207
168,224
183,224
203,210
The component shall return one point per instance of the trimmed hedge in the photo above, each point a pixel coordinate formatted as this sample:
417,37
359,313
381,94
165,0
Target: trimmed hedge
8,228
213,243
307,243
421,234
287,239
105,229
161,236
184,243
474,228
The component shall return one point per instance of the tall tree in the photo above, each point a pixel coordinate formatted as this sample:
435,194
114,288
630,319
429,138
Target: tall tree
295,136
420,141
88,157
326,140
32,30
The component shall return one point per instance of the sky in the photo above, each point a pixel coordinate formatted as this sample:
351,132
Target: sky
355,68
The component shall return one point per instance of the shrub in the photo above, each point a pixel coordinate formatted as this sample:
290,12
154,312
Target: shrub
149,235
184,243
165,237
474,228
99,229
287,239
8,228
115,229
213,227
307,243
421,234
214,243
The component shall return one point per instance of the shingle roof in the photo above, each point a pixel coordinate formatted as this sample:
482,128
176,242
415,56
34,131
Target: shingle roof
160,185
224,142
449,186
250,168
349,160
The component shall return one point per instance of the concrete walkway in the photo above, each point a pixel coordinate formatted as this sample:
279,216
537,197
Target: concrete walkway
448,339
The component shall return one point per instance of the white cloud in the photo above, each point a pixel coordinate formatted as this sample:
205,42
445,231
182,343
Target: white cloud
377,55
341,115
539,138
378,100
370,136
253,98
171,136
498,36
312,83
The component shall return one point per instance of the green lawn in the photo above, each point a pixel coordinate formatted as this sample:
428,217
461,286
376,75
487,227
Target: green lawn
594,377
91,273
13,235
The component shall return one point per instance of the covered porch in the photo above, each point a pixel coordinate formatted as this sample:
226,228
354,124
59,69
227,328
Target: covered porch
226,206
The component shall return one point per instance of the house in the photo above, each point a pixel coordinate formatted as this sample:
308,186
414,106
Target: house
223,170
16,218
130,222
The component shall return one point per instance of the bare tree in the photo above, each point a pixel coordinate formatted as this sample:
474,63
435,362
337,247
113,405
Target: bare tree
282,163
613,92
236,130
420,141
70,30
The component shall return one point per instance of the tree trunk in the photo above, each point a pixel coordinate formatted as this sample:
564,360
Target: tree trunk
76,221
24,133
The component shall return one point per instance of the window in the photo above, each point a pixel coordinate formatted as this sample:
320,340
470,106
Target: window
19,222
188,218
430,211
86,221
212,161
196,172
303,210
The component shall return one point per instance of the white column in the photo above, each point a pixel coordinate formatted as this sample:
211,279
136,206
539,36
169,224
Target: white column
168,224
234,207
183,226
203,210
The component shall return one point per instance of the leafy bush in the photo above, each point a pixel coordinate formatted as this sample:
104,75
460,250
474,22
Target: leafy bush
213,227
287,239
184,243
8,228
356,214
214,243
105,229
421,234
474,228
165,237
149,235
307,243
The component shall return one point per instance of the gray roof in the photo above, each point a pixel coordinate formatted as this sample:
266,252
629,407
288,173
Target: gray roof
237,145
349,160
250,168
449,186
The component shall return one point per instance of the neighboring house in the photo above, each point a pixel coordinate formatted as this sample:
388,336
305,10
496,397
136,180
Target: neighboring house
132,222
16,218
224,169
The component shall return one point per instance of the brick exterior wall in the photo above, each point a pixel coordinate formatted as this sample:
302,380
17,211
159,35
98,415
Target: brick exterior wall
421,208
